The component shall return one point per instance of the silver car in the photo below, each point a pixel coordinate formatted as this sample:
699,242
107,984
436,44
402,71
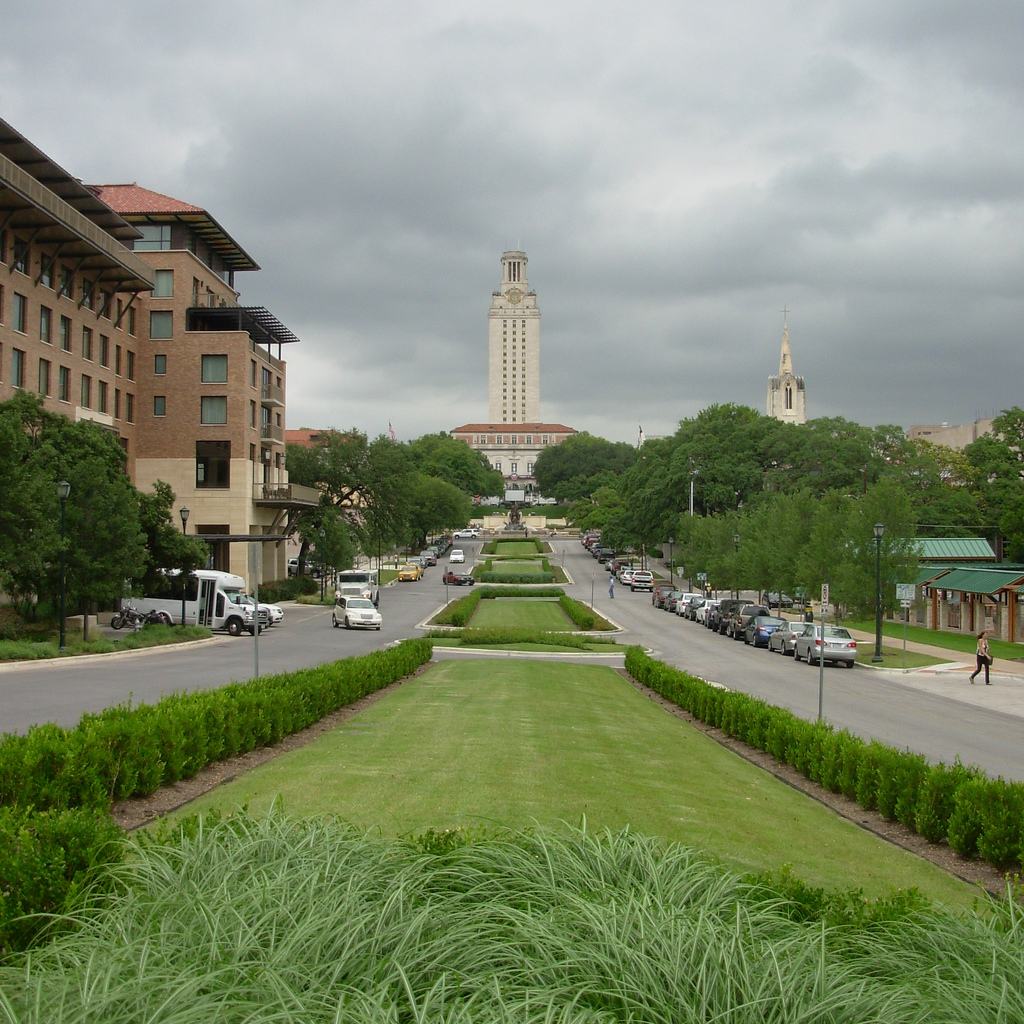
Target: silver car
840,647
784,640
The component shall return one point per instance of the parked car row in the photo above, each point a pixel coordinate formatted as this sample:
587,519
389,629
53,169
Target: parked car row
756,626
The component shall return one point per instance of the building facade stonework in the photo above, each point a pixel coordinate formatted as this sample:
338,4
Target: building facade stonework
512,448
787,393
513,346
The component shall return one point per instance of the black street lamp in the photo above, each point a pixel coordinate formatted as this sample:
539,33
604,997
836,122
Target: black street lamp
671,541
183,512
63,490
879,530
735,567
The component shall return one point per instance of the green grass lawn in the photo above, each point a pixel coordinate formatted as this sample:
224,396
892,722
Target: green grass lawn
148,636
527,646
522,566
963,642
511,613
515,743
893,657
505,548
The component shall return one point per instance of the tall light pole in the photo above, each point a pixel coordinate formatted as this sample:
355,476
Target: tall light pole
183,512
63,490
879,530
735,562
671,541
693,476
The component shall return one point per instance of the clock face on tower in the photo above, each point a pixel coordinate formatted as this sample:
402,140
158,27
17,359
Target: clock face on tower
515,296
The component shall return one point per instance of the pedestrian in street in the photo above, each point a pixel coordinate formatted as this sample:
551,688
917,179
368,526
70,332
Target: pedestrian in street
611,585
983,656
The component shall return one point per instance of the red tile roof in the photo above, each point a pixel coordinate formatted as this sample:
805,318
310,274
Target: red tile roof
513,428
135,199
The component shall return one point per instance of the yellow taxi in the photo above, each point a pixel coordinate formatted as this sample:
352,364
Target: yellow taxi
409,573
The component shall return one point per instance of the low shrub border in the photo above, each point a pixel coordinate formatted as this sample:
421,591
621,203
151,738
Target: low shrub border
124,751
491,547
459,612
148,636
57,785
474,637
978,816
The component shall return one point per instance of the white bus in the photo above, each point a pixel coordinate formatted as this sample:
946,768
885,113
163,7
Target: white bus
213,599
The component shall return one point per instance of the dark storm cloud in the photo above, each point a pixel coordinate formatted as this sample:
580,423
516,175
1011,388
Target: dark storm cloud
676,173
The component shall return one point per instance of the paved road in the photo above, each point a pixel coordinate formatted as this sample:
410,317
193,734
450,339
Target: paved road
873,704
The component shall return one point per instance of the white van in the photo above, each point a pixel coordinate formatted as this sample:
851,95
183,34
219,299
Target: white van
213,599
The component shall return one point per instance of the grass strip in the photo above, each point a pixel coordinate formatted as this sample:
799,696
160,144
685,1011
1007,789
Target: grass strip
962,642
148,636
894,657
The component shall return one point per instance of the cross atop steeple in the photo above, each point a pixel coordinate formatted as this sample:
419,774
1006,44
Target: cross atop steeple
785,315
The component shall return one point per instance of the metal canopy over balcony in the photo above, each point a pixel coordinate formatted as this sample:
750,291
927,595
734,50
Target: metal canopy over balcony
257,321
44,202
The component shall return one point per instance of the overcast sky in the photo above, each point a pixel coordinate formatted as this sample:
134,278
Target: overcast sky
677,172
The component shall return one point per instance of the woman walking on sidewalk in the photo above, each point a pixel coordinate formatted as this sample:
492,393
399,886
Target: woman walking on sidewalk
984,658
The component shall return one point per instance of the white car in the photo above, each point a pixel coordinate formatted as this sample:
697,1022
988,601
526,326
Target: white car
275,613
702,611
355,613
625,574
468,534
456,555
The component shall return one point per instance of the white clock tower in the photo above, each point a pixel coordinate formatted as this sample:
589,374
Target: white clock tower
513,343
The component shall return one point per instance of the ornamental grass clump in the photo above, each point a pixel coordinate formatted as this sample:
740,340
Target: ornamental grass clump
276,919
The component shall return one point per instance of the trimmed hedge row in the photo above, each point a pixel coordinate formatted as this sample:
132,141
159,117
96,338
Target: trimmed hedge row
581,615
47,859
518,578
124,751
978,816
459,612
497,635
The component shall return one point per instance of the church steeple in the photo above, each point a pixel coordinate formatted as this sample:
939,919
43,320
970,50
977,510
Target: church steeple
787,393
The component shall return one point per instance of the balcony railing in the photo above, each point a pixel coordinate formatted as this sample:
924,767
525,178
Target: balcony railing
271,394
271,432
286,494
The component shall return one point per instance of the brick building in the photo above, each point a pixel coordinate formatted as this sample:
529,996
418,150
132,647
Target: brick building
118,305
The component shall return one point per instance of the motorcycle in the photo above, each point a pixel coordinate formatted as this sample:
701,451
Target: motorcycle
133,618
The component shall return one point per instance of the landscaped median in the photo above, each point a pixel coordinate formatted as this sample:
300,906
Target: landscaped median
57,785
537,608
526,640
517,562
977,816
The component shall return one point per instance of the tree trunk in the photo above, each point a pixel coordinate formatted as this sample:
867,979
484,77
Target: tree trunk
85,622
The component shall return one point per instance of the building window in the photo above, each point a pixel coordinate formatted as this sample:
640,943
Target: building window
131,321
46,324
513,468
215,370
65,333
67,283
87,287
64,384
46,270
213,463
154,237
117,403
117,360
129,407
213,409
497,465
17,368
529,469
86,395
106,301
129,364
19,256
159,365
544,439
20,313
252,453
101,395
252,373
44,376
163,284
161,324
87,343
159,405
104,350
252,413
